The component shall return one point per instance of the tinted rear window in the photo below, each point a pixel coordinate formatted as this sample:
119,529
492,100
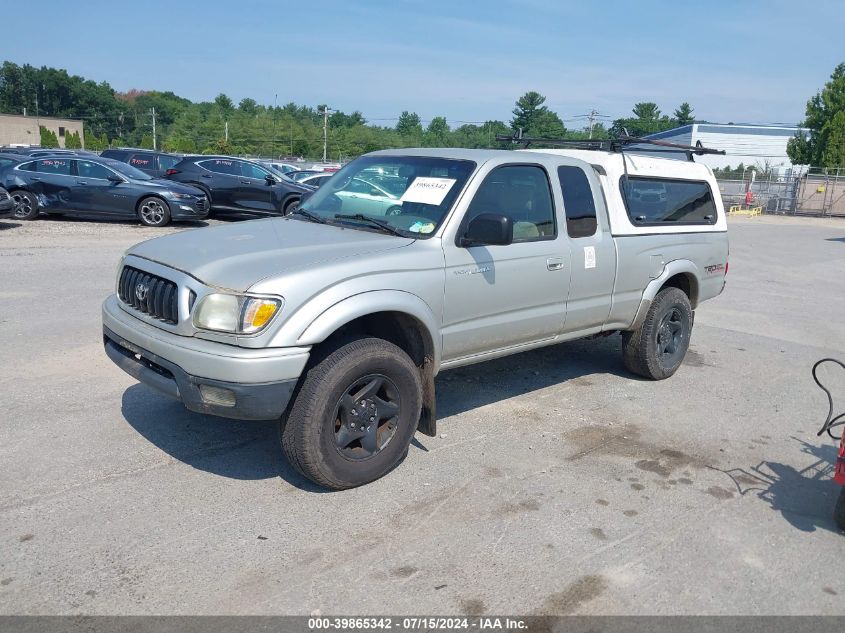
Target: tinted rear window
577,201
59,166
656,201
143,161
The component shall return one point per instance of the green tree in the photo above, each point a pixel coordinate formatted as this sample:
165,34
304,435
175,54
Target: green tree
647,111
683,114
834,151
48,137
248,106
437,132
224,103
820,144
72,141
409,124
536,119
146,141
647,120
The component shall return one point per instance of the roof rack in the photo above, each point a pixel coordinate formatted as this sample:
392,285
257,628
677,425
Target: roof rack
613,145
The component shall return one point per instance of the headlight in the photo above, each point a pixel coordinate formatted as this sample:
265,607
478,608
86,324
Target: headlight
237,314
181,196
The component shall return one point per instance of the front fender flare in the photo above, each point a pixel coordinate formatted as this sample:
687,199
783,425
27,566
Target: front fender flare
366,303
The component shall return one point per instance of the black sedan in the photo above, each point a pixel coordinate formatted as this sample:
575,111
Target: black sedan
239,185
6,203
98,186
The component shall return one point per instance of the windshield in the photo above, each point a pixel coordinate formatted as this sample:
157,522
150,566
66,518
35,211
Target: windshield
129,171
411,194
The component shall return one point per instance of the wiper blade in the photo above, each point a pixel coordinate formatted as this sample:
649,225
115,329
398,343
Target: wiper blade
382,224
311,216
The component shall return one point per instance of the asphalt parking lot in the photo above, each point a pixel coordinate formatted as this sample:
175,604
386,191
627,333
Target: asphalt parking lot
559,483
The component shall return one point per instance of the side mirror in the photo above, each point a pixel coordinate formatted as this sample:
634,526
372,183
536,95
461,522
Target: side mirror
115,179
488,229
271,180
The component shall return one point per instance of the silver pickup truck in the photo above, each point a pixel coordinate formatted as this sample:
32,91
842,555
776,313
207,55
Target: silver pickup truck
336,319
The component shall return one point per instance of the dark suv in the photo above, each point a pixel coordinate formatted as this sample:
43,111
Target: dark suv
235,184
153,163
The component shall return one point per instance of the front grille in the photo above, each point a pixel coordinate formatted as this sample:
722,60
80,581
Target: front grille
201,203
150,294
4,195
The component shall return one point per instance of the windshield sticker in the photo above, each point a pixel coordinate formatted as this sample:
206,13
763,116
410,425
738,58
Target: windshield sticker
428,190
421,227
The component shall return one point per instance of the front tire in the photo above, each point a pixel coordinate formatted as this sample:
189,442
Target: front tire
354,415
26,205
290,206
153,211
658,347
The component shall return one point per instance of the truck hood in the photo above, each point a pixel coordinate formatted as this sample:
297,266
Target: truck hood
236,256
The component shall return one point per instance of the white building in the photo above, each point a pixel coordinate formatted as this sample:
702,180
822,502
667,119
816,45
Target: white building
743,143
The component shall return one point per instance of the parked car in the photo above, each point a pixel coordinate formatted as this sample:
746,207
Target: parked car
98,186
7,205
302,174
10,160
316,180
153,163
335,323
41,151
285,168
237,184
362,196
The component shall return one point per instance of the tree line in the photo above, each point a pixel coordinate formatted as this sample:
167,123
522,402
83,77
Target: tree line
220,126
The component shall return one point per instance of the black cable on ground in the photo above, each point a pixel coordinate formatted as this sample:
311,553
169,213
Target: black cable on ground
831,421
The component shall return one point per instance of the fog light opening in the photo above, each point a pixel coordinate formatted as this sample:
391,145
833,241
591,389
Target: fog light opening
217,395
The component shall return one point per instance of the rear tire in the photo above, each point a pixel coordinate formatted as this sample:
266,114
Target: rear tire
153,211
354,414
658,347
26,205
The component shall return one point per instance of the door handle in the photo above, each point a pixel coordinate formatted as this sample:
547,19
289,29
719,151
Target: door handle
81,182
207,176
554,263
34,178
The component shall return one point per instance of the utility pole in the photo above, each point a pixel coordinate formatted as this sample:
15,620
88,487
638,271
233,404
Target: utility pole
592,118
153,113
325,130
226,132
273,142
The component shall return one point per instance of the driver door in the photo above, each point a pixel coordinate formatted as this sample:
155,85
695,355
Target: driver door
256,192
503,296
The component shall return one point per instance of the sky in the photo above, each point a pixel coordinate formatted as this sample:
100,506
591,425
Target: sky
733,61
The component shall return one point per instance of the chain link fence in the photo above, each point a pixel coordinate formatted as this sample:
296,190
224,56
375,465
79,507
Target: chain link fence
814,191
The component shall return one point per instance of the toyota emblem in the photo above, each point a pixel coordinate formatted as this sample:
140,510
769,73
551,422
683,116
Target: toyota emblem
141,291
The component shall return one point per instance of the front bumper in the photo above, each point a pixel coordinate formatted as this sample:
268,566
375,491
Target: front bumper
207,377
188,209
7,206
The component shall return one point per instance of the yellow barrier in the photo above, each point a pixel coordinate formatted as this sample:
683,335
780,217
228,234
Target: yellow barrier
751,211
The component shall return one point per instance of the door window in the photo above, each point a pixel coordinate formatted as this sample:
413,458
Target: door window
87,169
577,201
522,193
58,166
222,166
253,171
167,162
